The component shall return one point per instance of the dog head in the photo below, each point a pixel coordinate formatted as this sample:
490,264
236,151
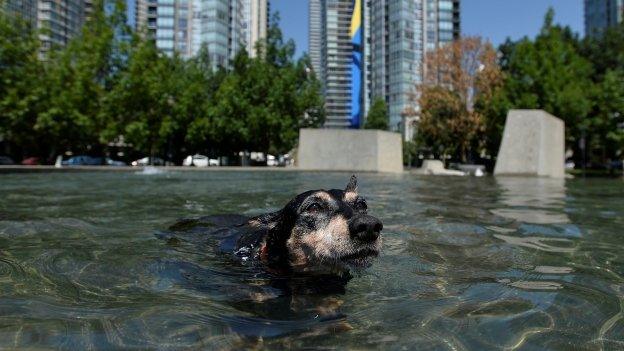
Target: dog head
324,231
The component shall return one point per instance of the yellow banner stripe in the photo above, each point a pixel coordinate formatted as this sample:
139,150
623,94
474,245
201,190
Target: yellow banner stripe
356,20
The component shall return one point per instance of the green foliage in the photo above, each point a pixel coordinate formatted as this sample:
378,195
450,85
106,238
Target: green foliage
605,52
410,153
377,115
606,122
20,90
109,82
581,82
78,79
264,101
545,73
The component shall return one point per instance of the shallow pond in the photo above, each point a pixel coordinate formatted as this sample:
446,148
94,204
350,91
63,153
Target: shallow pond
467,263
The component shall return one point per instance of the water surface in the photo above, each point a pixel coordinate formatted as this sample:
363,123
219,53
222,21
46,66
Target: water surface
467,264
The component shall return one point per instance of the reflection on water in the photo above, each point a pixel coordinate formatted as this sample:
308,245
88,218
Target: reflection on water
544,244
86,261
532,200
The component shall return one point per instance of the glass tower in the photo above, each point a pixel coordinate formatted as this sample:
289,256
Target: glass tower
61,19
26,9
255,24
184,26
396,35
336,57
397,49
315,30
442,22
601,14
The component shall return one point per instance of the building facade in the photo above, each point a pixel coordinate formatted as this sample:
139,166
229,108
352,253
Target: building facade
601,14
442,22
171,28
255,23
397,54
315,34
59,21
336,57
223,27
26,9
396,36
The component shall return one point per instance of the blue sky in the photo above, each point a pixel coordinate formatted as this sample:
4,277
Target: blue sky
491,19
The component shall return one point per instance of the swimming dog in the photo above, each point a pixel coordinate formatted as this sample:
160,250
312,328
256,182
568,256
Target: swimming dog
300,257
319,231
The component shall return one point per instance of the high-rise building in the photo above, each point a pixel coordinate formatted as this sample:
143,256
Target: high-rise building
396,36
336,52
315,36
255,23
224,27
218,24
26,9
59,21
170,25
442,22
601,14
397,54
147,14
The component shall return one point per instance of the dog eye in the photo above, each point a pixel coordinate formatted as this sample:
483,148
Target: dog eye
361,205
314,207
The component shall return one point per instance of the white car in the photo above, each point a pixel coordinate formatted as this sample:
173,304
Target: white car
199,161
145,161
272,161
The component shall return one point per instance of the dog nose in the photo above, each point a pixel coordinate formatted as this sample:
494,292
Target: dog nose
365,228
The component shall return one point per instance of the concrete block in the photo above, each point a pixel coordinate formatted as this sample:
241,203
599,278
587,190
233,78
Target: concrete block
350,150
533,145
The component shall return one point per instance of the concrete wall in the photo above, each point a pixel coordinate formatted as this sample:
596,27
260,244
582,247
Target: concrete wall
350,150
533,144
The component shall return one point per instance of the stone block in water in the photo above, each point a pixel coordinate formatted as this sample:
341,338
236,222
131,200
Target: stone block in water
533,145
350,150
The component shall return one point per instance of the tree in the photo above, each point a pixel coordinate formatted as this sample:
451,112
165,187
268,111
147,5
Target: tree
21,86
264,101
377,117
547,73
604,125
606,122
459,78
606,51
141,104
78,79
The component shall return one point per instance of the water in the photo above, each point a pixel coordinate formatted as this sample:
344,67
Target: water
467,264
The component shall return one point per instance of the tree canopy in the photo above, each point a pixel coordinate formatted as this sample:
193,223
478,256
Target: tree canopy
377,117
110,84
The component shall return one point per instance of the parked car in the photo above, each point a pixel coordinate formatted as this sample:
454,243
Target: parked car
196,160
199,161
31,161
145,161
5,161
272,161
83,161
569,164
616,165
115,163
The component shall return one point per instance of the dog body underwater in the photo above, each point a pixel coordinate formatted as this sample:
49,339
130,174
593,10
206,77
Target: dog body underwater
319,231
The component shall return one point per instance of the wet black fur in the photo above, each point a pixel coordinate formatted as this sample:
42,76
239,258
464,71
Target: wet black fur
246,237
277,227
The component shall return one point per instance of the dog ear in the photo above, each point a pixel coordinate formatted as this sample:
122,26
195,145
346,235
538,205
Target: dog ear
352,186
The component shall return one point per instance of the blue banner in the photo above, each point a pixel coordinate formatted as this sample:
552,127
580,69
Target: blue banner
356,65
